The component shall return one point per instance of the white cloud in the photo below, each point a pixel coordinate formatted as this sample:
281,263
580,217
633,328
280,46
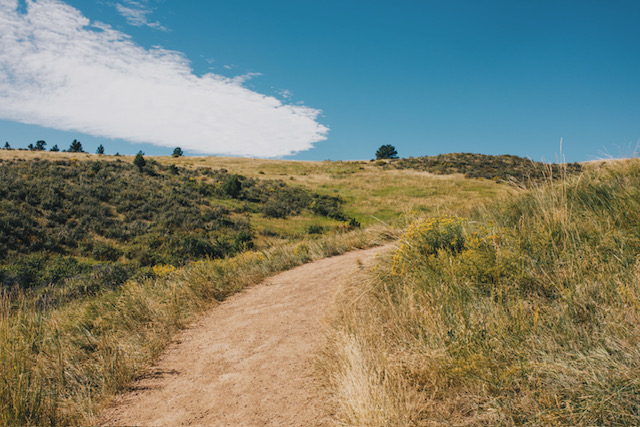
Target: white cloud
60,71
136,14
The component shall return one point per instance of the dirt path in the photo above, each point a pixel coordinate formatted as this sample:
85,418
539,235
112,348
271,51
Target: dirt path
249,361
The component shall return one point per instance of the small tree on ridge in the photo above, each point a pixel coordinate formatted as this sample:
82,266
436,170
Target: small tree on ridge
386,152
76,147
139,161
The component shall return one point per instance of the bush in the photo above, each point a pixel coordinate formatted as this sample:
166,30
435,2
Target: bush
232,186
315,229
105,252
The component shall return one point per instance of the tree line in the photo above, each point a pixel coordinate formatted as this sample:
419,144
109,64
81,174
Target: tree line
74,147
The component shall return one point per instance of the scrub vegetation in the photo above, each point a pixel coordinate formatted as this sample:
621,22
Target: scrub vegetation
498,168
524,312
103,222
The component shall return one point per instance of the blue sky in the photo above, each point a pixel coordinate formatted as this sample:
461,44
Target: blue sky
324,79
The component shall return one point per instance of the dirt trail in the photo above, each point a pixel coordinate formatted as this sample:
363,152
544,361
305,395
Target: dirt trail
249,361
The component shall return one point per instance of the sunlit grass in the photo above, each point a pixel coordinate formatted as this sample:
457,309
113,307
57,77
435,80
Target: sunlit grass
526,313
59,366
370,192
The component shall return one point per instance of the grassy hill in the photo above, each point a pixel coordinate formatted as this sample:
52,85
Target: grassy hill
524,312
64,217
498,168
102,262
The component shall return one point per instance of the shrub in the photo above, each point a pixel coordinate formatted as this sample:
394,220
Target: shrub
315,229
232,186
105,252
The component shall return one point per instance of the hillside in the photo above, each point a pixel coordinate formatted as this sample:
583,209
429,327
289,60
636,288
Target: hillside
525,312
103,263
110,220
498,168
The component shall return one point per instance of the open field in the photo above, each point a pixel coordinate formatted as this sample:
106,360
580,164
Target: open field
368,190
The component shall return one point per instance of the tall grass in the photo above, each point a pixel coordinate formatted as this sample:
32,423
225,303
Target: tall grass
526,313
61,365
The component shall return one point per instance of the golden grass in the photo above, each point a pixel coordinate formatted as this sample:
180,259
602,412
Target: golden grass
370,192
533,319
60,366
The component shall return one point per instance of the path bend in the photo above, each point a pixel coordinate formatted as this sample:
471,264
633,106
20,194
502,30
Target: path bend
248,361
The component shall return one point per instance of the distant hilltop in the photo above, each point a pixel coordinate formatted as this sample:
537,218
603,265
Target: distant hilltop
498,168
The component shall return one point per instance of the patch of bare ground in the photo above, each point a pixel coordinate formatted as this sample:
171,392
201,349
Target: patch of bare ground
249,361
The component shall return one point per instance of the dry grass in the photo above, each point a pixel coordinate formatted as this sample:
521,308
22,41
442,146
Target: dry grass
527,314
60,366
369,191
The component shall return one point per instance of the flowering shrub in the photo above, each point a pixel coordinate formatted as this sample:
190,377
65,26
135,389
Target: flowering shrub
161,270
449,244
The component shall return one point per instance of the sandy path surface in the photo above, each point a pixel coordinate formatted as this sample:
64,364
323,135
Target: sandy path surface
249,361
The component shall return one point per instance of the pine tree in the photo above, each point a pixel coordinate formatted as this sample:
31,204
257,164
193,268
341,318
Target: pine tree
76,147
55,148
139,161
100,149
177,152
386,152
40,145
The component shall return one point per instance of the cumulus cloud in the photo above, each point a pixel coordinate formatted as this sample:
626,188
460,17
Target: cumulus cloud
59,70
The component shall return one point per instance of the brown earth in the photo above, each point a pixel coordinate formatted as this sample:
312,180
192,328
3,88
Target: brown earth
249,361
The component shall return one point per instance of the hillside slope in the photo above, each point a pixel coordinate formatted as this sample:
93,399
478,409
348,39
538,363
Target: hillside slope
525,313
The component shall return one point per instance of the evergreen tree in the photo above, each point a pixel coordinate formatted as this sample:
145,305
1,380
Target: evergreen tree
55,148
76,147
40,145
232,186
31,147
386,152
139,161
100,149
7,146
177,152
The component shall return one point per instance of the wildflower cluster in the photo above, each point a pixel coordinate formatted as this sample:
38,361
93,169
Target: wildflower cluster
473,247
162,270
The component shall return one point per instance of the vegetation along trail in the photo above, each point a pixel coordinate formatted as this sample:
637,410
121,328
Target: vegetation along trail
249,361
